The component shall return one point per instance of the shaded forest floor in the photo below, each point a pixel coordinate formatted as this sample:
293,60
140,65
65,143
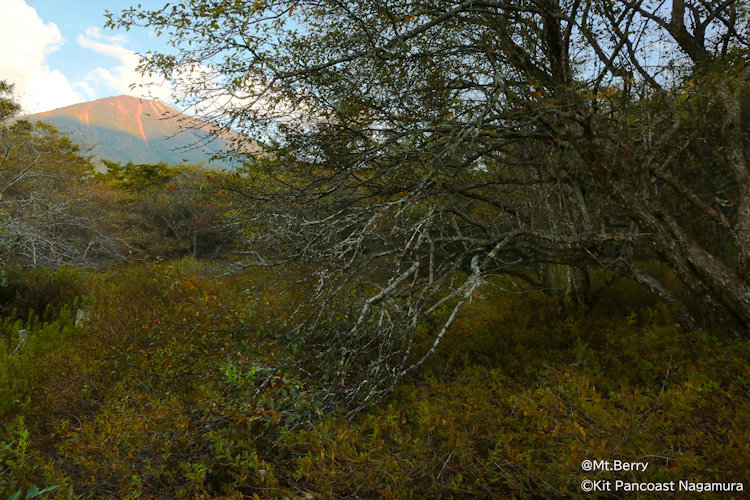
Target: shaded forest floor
169,387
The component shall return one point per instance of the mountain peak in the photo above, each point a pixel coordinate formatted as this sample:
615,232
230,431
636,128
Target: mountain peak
125,128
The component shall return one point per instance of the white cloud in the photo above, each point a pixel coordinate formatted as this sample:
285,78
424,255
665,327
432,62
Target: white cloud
123,78
94,32
252,97
26,41
87,89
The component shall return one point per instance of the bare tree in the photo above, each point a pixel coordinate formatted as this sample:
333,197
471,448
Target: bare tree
51,208
415,149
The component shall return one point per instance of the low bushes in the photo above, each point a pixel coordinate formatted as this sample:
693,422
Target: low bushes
174,388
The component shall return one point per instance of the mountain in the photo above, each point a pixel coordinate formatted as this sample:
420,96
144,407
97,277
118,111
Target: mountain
126,128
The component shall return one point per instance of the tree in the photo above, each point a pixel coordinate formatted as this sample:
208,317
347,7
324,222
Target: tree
419,148
167,211
50,203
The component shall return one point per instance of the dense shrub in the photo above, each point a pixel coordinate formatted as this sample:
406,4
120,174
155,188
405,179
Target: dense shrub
677,402
179,385
44,291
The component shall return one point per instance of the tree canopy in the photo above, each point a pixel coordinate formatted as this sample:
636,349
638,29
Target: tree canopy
417,149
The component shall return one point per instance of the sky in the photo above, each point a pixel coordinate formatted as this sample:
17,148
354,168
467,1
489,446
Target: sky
57,53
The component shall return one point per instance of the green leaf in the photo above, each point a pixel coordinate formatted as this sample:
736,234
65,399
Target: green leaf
34,491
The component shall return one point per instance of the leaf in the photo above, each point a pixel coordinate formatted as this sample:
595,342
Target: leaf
34,491
580,429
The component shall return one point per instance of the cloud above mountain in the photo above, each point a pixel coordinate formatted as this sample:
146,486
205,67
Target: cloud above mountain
28,41
124,78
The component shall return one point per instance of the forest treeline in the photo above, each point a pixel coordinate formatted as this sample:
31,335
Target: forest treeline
61,207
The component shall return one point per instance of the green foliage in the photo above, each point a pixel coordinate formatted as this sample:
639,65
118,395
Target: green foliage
166,211
13,464
638,389
140,176
8,107
42,290
179,385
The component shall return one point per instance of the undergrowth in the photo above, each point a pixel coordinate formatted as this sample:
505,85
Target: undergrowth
169,386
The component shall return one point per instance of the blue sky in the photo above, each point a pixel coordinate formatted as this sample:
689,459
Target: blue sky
57,52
